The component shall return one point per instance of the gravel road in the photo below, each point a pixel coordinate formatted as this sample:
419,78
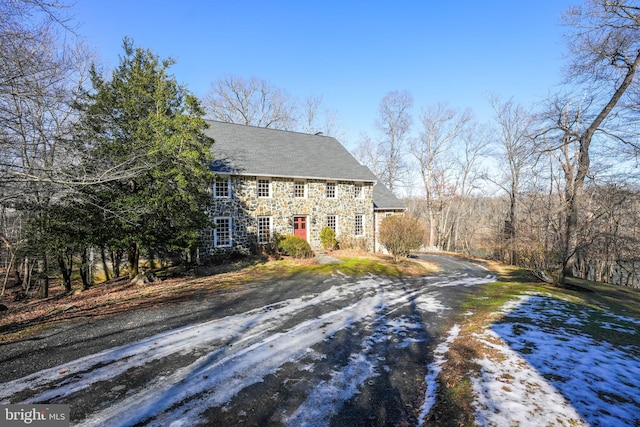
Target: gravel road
306,351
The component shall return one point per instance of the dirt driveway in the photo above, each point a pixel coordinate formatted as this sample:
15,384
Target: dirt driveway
306,351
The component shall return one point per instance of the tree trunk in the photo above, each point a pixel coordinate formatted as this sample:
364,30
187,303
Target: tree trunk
43,278
573,211
7,273
571,237
152,258
510,224
116,260
85,270
65,263
26,277
133,256
105,266
18,273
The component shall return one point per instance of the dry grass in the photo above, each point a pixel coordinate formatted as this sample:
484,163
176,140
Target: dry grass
453,405
118,296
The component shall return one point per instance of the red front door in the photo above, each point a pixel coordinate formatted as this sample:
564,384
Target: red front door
300,227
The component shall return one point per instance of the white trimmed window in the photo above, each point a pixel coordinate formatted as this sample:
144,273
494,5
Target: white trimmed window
358,190
359,225
264,187
332,223
330,192
299,189
264,229
222,232
222,187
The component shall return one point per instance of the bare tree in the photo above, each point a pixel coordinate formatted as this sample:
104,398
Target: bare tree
475,147
605,55
370,154
467,160
516,149
41,75
253,101
441,126
316,118
311,112
394,123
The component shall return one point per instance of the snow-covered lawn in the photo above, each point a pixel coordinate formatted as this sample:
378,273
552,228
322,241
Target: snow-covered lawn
554,362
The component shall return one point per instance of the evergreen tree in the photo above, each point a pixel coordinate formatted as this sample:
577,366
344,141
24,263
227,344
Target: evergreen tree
144,122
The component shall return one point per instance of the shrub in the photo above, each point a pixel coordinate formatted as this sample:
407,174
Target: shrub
295,247
328,238
400,235
356,243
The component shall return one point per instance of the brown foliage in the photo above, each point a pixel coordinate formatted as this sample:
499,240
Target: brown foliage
400,235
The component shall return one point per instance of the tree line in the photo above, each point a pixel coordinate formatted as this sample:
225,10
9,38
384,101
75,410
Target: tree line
565,170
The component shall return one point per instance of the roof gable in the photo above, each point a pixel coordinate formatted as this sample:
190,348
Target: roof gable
254,151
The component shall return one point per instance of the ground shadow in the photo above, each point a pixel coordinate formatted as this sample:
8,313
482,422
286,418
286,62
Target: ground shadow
588,355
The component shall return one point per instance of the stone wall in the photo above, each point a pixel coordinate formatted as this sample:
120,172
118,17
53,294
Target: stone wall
244,206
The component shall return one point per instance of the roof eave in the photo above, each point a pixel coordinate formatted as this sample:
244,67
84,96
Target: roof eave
321,178
390,209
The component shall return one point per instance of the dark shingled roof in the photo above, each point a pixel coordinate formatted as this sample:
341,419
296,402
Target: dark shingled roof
254,151
384,199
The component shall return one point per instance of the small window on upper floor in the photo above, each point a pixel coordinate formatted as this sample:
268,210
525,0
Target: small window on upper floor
299,189
330,192
358,190
222,187
264,187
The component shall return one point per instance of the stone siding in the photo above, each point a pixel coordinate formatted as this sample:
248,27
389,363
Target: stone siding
244,207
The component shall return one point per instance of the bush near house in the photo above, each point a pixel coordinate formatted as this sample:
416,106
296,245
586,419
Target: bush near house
328,238
356,243
295,247
400,235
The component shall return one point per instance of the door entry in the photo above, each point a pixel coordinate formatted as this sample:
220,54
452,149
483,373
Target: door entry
300,227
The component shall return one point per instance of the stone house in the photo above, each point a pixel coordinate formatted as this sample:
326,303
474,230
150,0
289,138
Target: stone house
272,181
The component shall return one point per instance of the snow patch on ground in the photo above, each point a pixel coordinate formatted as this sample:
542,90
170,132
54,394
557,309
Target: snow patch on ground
433,370
510,392
542,374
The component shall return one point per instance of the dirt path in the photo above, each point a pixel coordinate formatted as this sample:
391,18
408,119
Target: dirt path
305,351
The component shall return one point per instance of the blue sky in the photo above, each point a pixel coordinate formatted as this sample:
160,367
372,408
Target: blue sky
350,52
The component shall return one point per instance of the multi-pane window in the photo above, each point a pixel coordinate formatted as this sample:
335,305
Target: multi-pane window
221,187
331,190
299,189
264,188
359,225
358,191
222,232
264,229
332,223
